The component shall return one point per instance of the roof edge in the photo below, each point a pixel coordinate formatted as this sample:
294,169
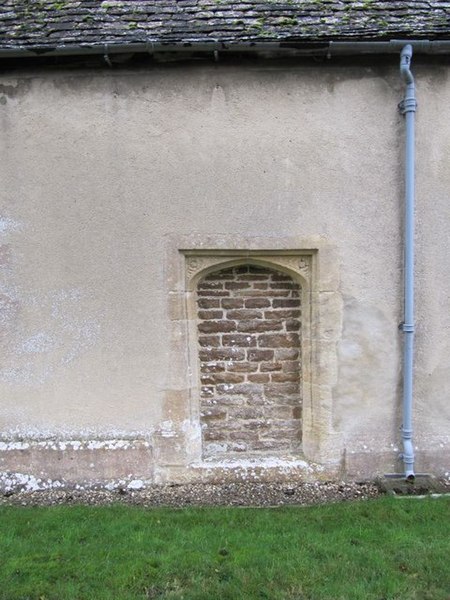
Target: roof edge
329,49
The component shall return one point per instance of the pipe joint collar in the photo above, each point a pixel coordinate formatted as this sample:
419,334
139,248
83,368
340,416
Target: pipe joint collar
407,327
407,105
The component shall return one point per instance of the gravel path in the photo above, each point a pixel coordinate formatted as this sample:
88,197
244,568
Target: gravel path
235,494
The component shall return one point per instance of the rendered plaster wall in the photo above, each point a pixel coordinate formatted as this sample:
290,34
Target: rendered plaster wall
107,174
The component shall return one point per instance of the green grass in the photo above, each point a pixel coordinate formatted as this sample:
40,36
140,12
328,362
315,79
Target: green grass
381,549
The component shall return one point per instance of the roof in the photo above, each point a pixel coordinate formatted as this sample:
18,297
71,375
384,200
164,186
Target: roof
47,24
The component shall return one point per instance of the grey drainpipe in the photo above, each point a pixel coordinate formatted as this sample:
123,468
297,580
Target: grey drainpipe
408,108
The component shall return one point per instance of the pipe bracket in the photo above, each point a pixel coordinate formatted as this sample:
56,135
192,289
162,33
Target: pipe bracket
407,105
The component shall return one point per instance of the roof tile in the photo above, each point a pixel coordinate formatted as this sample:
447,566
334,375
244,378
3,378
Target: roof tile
50,23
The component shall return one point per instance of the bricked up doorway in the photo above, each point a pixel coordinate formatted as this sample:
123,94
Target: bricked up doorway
249,324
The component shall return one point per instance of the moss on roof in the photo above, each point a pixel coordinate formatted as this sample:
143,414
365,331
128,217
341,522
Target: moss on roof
51,23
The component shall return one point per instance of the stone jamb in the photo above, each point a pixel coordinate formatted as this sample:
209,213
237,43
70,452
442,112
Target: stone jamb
312,263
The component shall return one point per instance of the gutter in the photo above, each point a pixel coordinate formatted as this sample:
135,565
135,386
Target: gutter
327,49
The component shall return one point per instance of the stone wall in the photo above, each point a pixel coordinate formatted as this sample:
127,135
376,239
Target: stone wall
115,182
249,348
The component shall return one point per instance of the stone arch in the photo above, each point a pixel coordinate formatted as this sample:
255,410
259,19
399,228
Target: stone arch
250,361
315,266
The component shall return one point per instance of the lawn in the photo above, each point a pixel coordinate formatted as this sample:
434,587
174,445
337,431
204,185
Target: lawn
380,549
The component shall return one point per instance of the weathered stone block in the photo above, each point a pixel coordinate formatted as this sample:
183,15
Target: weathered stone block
247,405
242,367
232,303
259,326
285,303
259,355
258,377
285,377
244,314
209,341
208,302
282,314
279,341
216,326
241,340
208,315
270,366
257,302
222,354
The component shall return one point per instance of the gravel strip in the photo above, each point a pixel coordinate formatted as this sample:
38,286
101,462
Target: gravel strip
233,494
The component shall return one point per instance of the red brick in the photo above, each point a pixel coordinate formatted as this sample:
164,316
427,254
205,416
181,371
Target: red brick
222,354
209,340
241,340
259,326
244,314
208,302
278,340
210,314
216,326
258,355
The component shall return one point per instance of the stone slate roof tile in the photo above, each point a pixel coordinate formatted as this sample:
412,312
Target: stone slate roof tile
51,23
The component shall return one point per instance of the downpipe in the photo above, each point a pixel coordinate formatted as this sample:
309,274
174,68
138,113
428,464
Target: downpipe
408,108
